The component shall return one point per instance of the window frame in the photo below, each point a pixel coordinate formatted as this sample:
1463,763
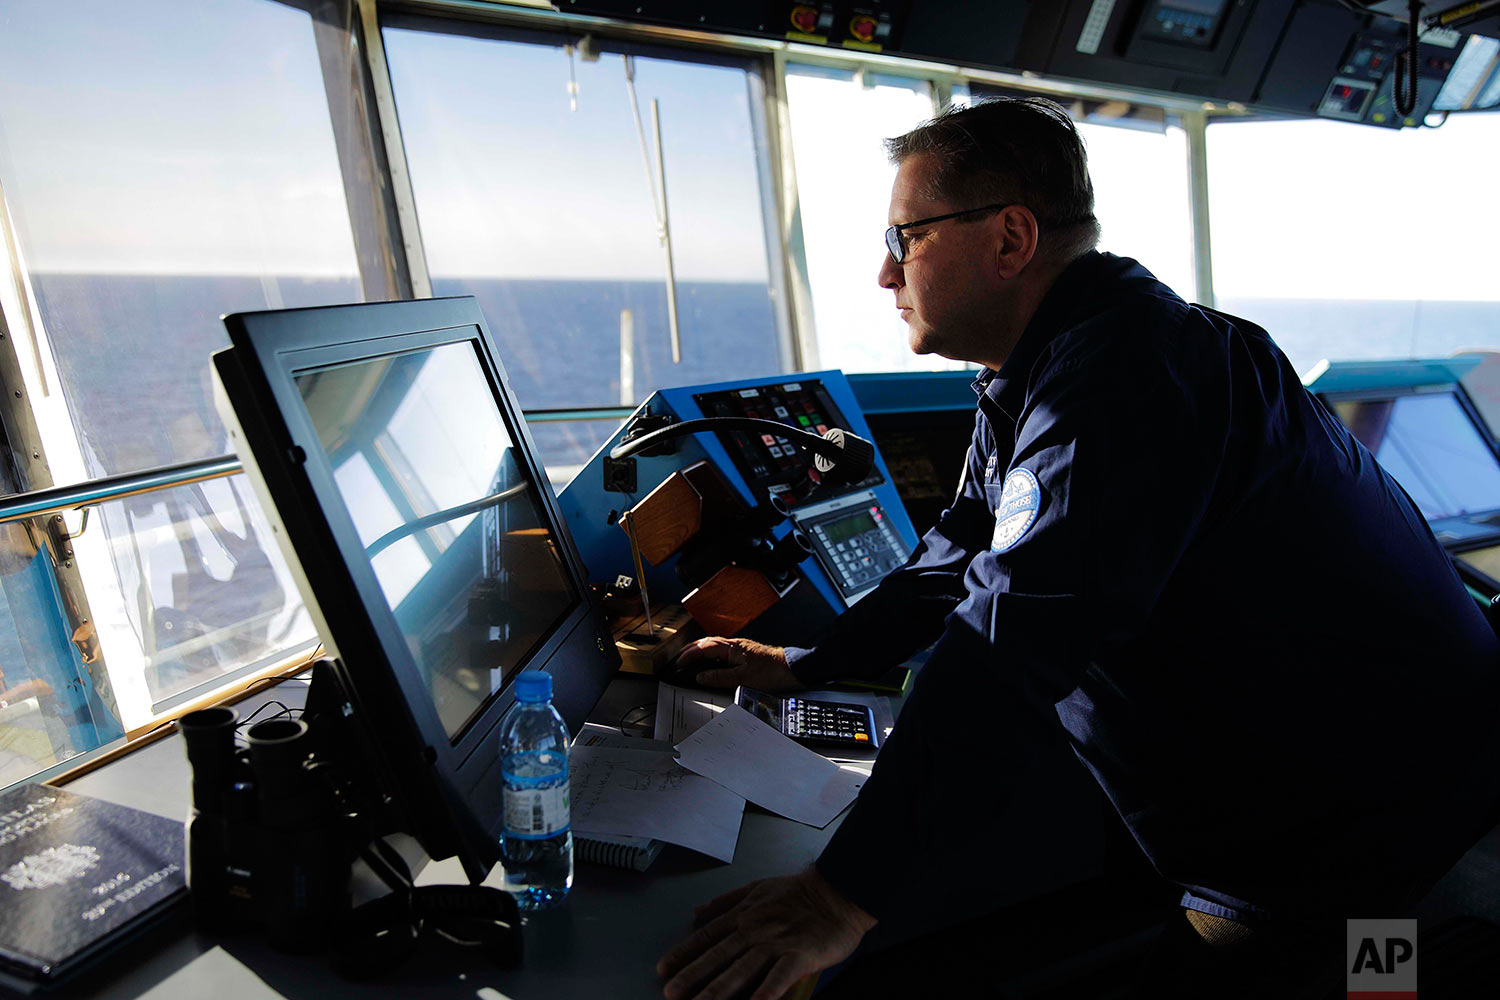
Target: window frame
762,99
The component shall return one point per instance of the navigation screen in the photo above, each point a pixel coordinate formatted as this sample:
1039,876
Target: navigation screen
770,463
1432,447
451,523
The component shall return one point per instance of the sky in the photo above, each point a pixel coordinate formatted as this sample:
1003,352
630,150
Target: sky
173,137
1320,209
509,180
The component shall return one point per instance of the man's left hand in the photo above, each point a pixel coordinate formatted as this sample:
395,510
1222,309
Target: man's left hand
772,933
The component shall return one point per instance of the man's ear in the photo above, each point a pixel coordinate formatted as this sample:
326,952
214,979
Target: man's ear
1016,236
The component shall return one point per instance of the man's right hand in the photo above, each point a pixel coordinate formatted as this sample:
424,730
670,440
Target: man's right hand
764,936
726,663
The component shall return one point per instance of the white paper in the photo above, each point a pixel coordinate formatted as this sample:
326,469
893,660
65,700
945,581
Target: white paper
750,758
681,711
644,793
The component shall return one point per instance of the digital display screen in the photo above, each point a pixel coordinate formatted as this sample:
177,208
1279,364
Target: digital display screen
1213,8
1432,447
453,526
849,527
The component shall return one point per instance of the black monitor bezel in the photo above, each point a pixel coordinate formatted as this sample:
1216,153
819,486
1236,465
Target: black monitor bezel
424,766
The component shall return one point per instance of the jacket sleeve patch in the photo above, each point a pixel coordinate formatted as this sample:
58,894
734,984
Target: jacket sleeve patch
1020,499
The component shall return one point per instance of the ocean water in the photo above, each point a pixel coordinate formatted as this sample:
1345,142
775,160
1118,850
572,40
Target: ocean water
560,343
1309,330
133,351
123,340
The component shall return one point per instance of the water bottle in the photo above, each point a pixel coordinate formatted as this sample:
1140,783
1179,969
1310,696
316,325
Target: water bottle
536,839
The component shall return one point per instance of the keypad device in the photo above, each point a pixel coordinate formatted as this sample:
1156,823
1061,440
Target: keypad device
827,722
856,543
838,723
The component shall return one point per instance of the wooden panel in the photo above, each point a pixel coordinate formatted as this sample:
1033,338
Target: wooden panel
644,653
668,516
721,504
730,599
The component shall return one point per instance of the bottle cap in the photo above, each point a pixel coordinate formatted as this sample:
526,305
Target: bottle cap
533,685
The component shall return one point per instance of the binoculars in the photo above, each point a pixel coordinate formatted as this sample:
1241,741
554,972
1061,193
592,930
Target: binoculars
267,843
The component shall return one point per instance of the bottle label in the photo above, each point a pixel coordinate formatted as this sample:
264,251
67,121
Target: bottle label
536,794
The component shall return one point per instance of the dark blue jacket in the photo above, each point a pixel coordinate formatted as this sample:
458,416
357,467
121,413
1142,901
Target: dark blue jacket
1241,623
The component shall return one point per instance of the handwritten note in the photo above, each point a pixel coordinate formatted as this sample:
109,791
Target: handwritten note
644,793
750,758
682,711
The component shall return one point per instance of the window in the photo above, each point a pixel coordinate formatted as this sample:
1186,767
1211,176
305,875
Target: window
534,196
1141,197
1139,167
1353,242
839,119
161,164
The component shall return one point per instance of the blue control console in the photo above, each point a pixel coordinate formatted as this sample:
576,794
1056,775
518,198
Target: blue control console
856,533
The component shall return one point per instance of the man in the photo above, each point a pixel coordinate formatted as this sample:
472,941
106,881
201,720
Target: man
1165,558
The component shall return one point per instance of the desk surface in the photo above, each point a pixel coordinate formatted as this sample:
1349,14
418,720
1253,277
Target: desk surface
604,942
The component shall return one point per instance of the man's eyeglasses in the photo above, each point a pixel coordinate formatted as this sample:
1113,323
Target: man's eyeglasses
895,240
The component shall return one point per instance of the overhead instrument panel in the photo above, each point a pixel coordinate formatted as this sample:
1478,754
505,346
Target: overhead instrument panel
1311,58
1205,48
1481,17
864,25
1186,22
1334,63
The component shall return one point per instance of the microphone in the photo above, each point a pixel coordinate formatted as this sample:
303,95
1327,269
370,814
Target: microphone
852,466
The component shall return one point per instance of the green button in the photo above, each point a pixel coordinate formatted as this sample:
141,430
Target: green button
803,421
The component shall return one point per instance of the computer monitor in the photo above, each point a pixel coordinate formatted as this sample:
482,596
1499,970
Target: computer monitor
1430,442
1430,438
400,477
